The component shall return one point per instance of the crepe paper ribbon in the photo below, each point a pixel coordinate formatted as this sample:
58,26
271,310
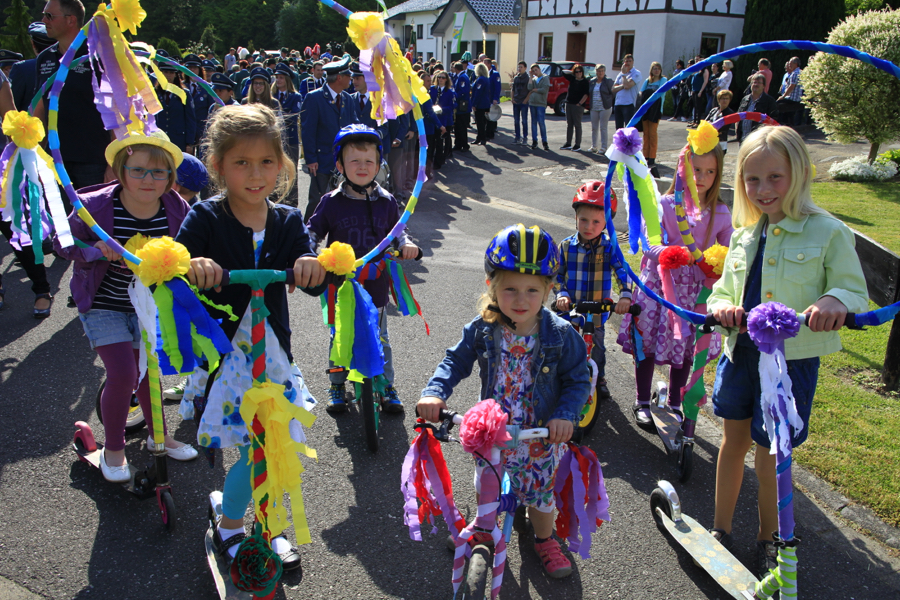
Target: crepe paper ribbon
483,427
401,291
256,568
693,394
672,257
783,577
146,55
581,498
488,490
357,343
426,487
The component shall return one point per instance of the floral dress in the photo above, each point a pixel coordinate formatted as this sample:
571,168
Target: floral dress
532,464
221,425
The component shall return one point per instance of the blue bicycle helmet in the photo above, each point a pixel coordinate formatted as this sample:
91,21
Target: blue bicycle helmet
523,250
356,132
192,174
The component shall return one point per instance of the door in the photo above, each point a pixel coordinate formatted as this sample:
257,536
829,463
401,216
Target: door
576,42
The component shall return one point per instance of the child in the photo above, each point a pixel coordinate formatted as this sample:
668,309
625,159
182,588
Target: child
244,230
361,213
141,201
810,265
586,268
191,179
709,222
532,362
724,99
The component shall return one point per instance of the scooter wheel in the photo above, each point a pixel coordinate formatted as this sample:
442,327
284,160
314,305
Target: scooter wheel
658,499
478,577
686,462
167,508
135,420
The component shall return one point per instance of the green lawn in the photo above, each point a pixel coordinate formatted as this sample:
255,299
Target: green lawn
870,208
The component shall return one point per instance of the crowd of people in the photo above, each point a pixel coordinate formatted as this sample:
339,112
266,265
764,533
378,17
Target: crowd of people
278,110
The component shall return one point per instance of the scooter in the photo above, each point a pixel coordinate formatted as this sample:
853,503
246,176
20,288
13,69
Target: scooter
220,566
675,431
154,480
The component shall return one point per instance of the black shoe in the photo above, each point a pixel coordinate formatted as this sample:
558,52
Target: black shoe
566,147
723,538
546,146
603,390
43,313
766,557
642,416
654,171
576,148
290,560
70,303
534,145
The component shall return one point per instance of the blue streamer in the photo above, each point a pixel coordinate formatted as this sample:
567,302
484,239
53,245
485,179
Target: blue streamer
878,317
368,353
188,311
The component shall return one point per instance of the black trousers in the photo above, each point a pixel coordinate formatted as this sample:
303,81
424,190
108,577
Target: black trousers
461,131
36,272
481,124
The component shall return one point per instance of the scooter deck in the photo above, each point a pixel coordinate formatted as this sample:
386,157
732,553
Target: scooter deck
712,557
219,566
93,459
668,426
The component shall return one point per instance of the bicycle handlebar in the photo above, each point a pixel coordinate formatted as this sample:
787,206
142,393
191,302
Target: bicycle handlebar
711,321
596,307
265,276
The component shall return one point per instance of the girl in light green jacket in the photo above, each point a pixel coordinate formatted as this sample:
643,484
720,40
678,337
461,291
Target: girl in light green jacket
784,249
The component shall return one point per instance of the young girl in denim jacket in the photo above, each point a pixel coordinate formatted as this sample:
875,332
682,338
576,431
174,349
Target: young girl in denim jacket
531,362
784,249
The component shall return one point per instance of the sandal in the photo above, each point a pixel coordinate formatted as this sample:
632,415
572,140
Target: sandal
43,313
556,565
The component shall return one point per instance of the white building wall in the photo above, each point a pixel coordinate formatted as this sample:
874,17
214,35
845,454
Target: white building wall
427,43
683,32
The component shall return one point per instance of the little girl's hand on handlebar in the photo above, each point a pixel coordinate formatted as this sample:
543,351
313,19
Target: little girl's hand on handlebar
308,272
205,274
560,431
430,407
622,306
826,315
730,316
563,304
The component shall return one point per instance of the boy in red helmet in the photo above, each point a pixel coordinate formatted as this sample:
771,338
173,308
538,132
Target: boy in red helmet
587,266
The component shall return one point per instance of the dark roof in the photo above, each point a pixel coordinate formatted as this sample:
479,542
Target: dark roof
494,12
416,6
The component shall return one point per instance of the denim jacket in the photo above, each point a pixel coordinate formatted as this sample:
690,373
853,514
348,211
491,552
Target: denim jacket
562,381
803,260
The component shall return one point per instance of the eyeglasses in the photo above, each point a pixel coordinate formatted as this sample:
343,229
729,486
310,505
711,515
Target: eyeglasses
50,16
141,173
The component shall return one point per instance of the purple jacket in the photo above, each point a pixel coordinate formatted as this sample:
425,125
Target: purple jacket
90,268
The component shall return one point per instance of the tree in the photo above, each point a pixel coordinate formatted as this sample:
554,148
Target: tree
209,39
769,20
170,46
849,98
15,32
858,6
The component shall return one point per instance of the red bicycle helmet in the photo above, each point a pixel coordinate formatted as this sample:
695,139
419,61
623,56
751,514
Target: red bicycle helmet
592,193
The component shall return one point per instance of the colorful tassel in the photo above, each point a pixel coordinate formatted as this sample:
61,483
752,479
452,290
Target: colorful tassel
581,498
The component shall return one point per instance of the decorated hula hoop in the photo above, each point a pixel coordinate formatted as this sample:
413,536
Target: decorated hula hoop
885,313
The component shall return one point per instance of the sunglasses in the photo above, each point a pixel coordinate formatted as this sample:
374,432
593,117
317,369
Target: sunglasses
51,16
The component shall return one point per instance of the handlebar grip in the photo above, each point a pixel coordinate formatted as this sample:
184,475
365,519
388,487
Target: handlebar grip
289,277
419,255
226,277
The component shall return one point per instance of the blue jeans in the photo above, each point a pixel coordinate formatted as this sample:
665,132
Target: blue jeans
538,113
521,110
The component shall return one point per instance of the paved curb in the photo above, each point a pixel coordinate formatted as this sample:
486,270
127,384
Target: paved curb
10,590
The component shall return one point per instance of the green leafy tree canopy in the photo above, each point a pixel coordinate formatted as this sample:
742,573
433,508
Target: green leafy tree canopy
15,32
849,98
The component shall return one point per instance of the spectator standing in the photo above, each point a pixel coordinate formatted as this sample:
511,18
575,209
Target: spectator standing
576,100
626,90
230,60
82,137
463,88
494,76
790,94
699,83
763,66
520,109
289,100
481,101
725,78
315,82
443,96
324,112
260,90
712,86
538,88
677,98
650,120
433,127
756,101
600,91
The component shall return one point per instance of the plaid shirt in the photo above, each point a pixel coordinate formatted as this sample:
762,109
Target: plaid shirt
580,264
797,93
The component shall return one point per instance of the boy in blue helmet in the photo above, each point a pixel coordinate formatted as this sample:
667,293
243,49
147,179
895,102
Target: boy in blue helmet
361,213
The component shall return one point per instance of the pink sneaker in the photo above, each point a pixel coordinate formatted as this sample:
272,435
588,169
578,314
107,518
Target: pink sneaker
556,565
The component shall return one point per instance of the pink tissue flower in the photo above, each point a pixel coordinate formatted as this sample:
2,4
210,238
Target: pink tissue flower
483,427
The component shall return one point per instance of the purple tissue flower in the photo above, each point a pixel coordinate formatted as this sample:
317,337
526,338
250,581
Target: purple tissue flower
628,141
770,324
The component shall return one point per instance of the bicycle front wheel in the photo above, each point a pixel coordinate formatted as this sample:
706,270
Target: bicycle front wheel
479,575
589,417
370,414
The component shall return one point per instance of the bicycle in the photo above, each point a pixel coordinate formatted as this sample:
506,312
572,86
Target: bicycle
582,319
484,540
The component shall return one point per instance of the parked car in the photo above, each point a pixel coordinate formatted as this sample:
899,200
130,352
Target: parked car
560,75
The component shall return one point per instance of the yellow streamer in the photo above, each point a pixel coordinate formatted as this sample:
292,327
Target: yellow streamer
268,403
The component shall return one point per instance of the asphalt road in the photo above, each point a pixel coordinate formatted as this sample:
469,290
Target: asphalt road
65,533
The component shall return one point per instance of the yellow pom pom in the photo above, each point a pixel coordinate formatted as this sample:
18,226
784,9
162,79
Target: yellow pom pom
136,242
366,29
162,259
24,130
704,138
129,14
338,258
714,256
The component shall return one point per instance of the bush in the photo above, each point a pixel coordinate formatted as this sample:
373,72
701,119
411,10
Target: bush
170,46
859,169
891,155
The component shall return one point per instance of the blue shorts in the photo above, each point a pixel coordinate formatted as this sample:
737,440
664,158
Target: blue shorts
736,393
105,327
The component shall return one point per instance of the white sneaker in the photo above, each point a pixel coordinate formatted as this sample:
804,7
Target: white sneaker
119,474
175,393
593,149
684,119
183,453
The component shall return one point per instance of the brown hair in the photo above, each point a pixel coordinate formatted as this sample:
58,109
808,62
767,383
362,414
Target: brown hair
725,93
712,195
157,155
230,125
265,98
489,298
